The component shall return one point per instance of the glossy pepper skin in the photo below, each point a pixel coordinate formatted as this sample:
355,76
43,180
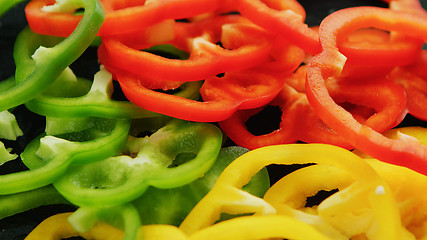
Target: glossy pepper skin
46,166
153,207
37,72
153,165
406,151
377,103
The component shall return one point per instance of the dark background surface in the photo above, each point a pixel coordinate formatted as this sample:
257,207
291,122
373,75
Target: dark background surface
18,226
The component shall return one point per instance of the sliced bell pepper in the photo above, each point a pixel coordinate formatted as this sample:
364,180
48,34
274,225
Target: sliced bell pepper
242,89
415,84
329,63
226,195
58,226
289,24
206,58
155,204
248,227
379,104
39,70
67,99
20,202
45,165
153,165
121,16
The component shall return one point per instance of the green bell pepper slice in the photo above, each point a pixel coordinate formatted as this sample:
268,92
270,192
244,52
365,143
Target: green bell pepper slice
123,217
96,102
175,155
20,202
155,205
38,66
49,157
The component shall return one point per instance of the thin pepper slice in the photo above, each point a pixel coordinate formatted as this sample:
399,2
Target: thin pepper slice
249,227
58,226
414,81
124,217
47,166
20,202
329,63
46,64
289,24
121,17
153,165
379,104
206,58
155,204
96,102
252,89
226,196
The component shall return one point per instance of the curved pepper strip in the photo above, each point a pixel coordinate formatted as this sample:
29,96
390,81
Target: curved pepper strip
155,204
249,227
97,102
35,75
290,25
330,62
206,58
378,104
226,196
411,203
152,166
49,157
121,17
124,217
414,82
221,104
353,218
58,227
20,202
181,199
289,198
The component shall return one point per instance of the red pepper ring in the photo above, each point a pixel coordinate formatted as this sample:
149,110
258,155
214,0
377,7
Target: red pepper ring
286,23
129,18
404,151
243,89
291,26
206,58
379,104
416,90
236,130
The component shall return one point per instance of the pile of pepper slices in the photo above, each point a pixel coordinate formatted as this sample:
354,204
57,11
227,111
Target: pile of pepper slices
195,73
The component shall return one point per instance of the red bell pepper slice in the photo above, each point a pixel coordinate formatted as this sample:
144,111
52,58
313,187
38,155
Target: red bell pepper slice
287,23
290,25
235,90
378,104
404,151
245,46
121,17
414,80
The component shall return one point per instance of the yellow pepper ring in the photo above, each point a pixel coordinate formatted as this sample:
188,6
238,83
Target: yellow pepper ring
259,227
57,227
227,195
